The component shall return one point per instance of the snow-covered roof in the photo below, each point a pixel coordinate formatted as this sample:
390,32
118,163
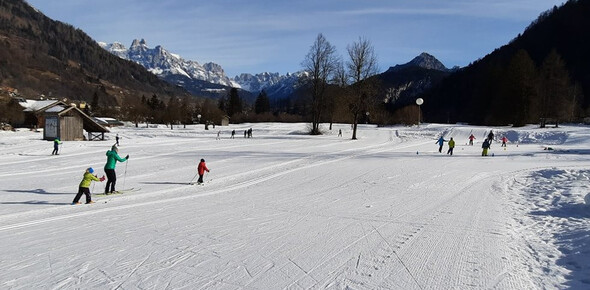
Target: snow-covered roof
36,105
107,121
56,109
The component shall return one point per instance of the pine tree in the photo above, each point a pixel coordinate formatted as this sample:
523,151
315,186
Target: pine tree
235,103
262,104
94,105
555,89
519,90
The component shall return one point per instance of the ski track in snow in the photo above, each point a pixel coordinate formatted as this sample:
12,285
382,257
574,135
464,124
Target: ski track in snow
290,212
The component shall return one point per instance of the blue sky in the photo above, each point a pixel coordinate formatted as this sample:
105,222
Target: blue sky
274,36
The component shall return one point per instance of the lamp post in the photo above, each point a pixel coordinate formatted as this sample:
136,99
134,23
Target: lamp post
419,102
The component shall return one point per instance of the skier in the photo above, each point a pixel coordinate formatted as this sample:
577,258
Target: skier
471,137
201,170
218,133
451,146
441,141
109,168
250,133
56,143
486,147
84,187
117,139
233,133
340,133
504,140
491,137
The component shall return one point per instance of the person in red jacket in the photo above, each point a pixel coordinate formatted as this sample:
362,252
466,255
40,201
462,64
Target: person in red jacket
201,170
504,140
471,137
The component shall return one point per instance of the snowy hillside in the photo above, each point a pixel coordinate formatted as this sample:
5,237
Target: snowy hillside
285,210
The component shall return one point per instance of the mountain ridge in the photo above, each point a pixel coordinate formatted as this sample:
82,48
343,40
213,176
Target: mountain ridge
42,56
163,63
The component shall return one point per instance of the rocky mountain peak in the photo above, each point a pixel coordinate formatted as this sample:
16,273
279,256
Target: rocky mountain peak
165,64
424,60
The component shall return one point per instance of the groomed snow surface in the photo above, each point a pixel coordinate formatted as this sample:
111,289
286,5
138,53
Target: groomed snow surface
285,210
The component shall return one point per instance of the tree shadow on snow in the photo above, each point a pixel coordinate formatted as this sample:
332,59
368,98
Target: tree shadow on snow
570,151
164,182
36,191
36,202
572,210
574,244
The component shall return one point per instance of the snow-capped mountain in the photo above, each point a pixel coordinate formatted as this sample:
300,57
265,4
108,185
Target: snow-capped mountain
258,82
275,85
164,64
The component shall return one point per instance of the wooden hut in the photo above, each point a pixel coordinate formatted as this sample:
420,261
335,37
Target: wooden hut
225,121
68,123
34,110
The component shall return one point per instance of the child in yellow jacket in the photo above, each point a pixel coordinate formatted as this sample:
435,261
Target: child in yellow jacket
84,187
451,146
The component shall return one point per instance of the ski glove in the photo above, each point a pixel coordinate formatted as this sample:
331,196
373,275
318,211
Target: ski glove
102,179
127,157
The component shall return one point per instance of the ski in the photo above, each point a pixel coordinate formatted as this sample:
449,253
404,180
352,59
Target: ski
133,189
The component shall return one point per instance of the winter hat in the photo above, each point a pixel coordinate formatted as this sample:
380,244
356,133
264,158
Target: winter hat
202,160
114,148
90,170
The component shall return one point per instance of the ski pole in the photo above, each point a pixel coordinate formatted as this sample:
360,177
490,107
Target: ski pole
125,174
191,182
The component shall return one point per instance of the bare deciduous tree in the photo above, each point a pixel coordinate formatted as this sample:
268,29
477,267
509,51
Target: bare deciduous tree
320,63
362,65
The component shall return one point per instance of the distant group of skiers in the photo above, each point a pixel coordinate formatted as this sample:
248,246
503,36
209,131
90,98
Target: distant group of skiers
486,144
247,134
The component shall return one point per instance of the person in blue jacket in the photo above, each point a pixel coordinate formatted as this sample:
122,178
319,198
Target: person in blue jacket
109,168
441,141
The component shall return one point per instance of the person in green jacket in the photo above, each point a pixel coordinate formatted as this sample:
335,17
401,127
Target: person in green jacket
84,187
109,168
451,146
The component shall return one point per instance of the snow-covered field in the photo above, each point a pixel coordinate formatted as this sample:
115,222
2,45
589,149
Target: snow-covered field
284,210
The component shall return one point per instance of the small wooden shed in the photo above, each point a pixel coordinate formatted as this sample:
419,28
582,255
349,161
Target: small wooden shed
68,124
225,121
34,110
